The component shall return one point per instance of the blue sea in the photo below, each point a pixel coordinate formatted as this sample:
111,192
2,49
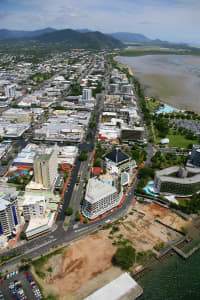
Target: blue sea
173,279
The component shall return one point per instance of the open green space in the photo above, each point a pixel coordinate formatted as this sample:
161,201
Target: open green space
177,140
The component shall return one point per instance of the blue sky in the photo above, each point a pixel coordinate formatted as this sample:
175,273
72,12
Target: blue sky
173,20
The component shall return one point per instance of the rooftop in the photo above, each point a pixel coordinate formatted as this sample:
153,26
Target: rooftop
118,289
117,156
98,189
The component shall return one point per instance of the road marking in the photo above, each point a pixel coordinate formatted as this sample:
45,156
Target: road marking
40,246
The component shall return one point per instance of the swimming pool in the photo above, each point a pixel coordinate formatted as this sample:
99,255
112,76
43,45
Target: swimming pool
147,189
108,182
167,109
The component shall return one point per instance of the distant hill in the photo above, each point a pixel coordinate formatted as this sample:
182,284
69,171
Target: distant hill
14,34
130,37
74,39
84,30
83,38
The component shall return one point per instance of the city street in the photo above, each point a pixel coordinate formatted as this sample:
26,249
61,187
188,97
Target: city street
73,195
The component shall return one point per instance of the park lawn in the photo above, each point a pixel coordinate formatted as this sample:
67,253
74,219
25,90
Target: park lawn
176,140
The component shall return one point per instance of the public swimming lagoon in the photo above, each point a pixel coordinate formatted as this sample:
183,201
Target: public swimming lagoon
173,79
167,109
149,189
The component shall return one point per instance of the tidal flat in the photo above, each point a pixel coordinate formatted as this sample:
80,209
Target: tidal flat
173,79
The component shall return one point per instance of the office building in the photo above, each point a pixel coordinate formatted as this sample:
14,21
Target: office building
45,167
100,197
9,215
132,133
33,206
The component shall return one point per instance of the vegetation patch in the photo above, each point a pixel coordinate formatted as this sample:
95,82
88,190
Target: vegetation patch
40,262
124,257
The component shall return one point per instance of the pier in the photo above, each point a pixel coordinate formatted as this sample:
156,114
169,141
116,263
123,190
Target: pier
185,255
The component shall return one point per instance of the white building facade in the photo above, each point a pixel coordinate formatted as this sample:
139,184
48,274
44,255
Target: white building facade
100,197
33,206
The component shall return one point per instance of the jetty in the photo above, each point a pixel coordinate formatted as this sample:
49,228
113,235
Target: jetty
183,254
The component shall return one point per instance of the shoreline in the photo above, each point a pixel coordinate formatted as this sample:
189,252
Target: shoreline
171,252
167,88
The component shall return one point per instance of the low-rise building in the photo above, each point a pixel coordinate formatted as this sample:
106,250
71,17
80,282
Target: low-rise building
132,133
178,181
17,114
123,287
39,225
120,160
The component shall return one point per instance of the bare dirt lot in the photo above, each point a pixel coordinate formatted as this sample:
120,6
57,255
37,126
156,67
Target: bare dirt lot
77,271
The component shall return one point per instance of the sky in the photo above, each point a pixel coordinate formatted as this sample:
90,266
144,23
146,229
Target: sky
172,20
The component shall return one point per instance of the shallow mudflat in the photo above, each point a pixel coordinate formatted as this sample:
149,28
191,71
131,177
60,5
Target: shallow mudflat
174,79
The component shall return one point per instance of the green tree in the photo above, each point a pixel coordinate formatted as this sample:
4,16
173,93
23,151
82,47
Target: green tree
77,216
83,156
124,257
69,211
22,235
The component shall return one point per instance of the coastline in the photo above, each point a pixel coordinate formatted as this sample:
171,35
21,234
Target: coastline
188,244
174,84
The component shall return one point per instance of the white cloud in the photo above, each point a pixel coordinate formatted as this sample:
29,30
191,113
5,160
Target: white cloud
176,20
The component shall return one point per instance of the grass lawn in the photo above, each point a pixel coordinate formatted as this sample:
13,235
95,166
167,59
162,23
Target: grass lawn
177,140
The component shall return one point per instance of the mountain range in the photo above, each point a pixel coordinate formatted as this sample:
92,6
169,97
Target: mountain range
67,37
80,38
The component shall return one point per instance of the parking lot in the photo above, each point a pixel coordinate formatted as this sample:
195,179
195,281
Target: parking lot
20,286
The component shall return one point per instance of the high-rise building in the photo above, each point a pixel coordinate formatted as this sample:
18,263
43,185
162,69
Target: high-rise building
100,197
45,167
9,215
87,94
10,91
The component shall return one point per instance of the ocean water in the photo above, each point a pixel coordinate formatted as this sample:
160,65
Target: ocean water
173,79
173,279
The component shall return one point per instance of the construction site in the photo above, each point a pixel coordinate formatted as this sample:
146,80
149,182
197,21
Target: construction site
86,265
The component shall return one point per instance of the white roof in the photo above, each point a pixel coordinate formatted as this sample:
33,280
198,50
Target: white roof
98,189
30,199
115,289
164,141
